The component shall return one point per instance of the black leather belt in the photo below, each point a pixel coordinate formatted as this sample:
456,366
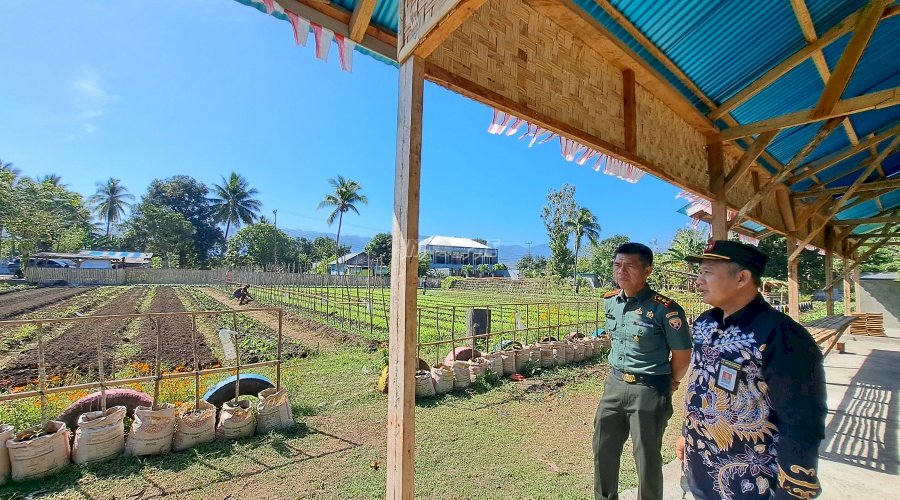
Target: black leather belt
635,378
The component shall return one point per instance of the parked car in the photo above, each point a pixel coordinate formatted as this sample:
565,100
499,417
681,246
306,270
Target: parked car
96,264
16,264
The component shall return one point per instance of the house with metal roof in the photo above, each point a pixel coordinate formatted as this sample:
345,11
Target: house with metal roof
449,254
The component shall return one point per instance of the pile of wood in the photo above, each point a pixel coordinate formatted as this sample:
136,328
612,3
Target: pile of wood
871,324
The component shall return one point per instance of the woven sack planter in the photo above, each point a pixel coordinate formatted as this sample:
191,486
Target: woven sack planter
424,384
40,456
152,430
558,353
547,359
461,378
273,410
476,368
493,363
195,426
578,349
508,360
570,352
522,356
6,433
236,420
100,435
443,379
588,347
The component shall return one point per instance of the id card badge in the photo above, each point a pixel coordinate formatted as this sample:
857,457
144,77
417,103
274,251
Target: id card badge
728,375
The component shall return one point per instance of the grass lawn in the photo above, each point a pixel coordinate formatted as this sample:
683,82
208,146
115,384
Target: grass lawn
511,441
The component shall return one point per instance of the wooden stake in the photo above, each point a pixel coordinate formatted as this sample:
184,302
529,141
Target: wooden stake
100,371
42,374
793,281
237,359
196,362
156,370
716,168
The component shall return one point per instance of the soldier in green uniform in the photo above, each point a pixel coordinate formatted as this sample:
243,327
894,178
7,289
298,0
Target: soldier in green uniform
651,349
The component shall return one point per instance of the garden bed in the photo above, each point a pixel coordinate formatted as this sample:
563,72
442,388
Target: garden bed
25,301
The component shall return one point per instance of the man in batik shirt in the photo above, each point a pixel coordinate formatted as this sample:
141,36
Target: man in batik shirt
755,401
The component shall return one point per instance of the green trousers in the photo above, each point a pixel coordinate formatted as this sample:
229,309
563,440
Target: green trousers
641,411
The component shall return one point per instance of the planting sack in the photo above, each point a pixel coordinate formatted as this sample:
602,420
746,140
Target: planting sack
546,355
31,458
6,432
461,374
443,379
424,384
559,352
100,435
535,355
236,420
195,426
521,357
569,352
588,347
152,430
476,368
493,363
508,359
273,411
578,349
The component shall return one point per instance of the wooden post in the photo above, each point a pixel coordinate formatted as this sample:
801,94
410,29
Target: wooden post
793,281
404,272
856,290
829,270
847,310
630,109
716,164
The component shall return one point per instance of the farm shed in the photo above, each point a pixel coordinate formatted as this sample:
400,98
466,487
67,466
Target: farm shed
780,115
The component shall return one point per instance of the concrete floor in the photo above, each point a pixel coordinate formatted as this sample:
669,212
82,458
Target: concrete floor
858,458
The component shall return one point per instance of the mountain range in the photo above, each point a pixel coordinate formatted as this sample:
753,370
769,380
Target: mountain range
509,254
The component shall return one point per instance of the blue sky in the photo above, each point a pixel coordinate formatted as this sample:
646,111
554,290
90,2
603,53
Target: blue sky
149,89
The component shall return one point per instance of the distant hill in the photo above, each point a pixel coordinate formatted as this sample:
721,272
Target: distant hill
509,254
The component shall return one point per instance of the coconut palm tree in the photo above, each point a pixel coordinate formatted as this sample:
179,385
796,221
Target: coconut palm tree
234,202
110,201
345,197
582,223
53,179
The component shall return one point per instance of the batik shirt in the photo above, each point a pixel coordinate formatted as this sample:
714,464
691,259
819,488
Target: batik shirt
755,406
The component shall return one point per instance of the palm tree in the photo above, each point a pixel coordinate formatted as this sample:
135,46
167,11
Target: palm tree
346,195
234,203
110,201
583,223
53,179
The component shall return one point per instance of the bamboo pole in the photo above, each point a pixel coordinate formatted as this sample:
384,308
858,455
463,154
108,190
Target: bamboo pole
156,369
196,362
237,358
42,375
278,355
100,371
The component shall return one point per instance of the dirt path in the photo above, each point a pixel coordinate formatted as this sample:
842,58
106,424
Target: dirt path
75,352
175,335
309,334
19,303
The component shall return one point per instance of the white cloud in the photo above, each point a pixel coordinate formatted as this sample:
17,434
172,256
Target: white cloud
90,99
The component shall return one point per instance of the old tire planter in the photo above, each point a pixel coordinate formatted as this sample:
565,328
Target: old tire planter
128,398
251,385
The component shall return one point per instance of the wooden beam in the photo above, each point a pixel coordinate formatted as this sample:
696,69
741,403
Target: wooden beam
629,102
857,291
785,208
874,248
793,61
793,281
839,156
870,220
845,67
716,165
573,18
337,19
879,234
864,198
750,156
876,100
360,18
402,360
760,195
757,187
829,270
451,16
811,210
870,186
846,281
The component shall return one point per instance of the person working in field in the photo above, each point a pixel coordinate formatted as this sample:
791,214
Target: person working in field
645,329
243,295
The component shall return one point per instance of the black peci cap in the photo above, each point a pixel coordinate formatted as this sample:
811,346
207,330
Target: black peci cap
733,251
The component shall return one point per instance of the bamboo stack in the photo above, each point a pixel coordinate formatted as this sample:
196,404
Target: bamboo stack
871,324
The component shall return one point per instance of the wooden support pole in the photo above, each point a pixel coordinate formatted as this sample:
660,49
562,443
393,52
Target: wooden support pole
829,271
793,281
716,165
846,281
856,291
404,272
630,109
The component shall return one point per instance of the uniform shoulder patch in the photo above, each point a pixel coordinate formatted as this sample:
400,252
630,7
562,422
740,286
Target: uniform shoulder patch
610,294
662,300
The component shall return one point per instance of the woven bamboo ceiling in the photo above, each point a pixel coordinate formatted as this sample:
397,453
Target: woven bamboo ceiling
802,94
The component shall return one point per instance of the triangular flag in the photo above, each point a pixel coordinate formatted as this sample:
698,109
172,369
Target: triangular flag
301,28
270,5
323,41
345,50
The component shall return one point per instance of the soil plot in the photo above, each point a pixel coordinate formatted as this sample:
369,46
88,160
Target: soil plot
26,301
175,336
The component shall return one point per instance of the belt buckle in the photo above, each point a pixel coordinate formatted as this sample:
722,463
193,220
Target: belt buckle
629,378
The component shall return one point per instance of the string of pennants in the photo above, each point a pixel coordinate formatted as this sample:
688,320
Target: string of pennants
506,124
323,36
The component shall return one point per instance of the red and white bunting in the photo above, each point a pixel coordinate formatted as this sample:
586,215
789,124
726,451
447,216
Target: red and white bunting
345,51
301,28
270,6
323,41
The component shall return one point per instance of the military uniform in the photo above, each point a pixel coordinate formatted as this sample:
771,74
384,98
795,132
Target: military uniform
637,397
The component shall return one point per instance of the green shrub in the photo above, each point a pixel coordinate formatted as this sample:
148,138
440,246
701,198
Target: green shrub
448,282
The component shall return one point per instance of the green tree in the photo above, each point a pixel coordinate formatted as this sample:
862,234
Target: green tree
233,203
53,179
811,268
110,201
466,270
325,249
583,223
483,269
39,214
424,264
500,267
345,197
884,260
686,242
188,196
379,248
559,209
532,267
602,255
255,245
160,230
